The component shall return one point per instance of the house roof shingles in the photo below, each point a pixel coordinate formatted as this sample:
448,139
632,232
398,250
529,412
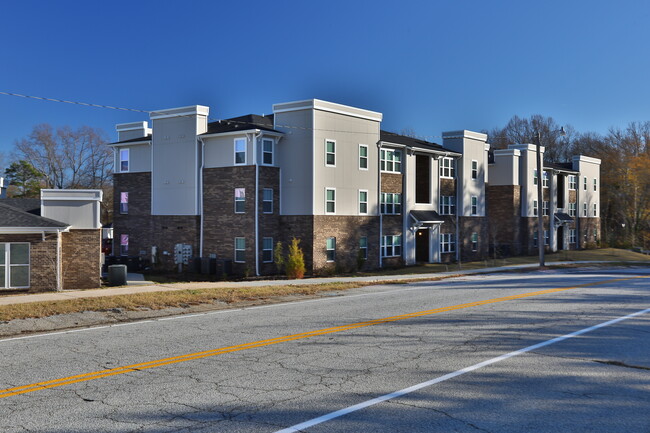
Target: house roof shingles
391,137
242,123
15,217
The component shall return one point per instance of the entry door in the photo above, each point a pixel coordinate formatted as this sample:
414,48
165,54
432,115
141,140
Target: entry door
422,246
560,238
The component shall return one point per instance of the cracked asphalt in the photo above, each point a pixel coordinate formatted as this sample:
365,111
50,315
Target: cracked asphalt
596,382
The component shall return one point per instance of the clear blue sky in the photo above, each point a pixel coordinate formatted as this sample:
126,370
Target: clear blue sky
430,66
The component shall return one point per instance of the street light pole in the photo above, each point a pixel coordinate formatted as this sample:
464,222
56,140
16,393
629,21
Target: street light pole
540,219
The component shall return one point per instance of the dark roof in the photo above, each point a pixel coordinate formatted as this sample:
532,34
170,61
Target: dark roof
242,123
14,217
561,166
31,205
134,140
563,218
391,137
426,216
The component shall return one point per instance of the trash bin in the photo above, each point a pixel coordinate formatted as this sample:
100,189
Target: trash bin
117,275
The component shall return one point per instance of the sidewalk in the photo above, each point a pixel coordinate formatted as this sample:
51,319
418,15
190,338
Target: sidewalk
136,283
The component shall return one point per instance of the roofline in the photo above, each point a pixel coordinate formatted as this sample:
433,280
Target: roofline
190,110
243,131
420,149
31,230
130,143
332,107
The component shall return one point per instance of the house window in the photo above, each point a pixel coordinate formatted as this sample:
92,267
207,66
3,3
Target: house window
573,182
124,245
14,265
572,209
363,157
240,250
391,161
474,241
447,169
595,184
267,250
124,160
545,177
545,208
474,169
447,205
240,151
330,152
535,239
595,210
124,203
391,246
547,237
267,152
572,236
240,200
447,243
584,209
330,200
363,202
534,207
474,205
363,247
331,249
584,183
391,203
267,200
535,177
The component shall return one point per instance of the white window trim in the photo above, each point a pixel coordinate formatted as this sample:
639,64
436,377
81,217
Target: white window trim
384,245
535,208
595,184
367,157
546,178
122,212
234,147
360,202
448,239
235,250
327,249
584,210
451,168
472,169
473,207
572,236
128,160
573,182
595,213
474,248
364,249
272,152
326,212
267,261
235,200
7,265
584,183
451,205
264,201
385,161
326,153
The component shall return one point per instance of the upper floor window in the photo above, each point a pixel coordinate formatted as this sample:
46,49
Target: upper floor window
240,200
267,151
391,203
267,200
447,205
330,152
447,167
330,200
595,209
595,184
572,209
534,207
363,202
584,209
124,160
545,208
391,161
124,203
363,157
240,151
535,177
584,183
474,205
545,177
474,169
573,182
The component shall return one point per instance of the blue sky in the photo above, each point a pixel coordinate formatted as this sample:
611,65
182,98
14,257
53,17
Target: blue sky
430,66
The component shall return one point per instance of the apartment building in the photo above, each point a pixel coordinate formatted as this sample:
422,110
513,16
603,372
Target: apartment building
325,173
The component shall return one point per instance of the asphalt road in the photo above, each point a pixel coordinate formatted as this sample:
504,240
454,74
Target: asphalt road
478,353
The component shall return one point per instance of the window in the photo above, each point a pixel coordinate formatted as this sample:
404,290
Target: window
547,237
545,208
240,151
267,151
474,169
363,247
331,249
573,182
534,207
240,250
595,235
363,157
330,200
124,245
391,161
391,203
595,210
267,200
330,152
240,200
584,183
474,241
595,184
584,209
363,202
535,239
572,209
447,168
545,177
124,203
14,265
572,236
267,250
474,205
534,177
124,160
447,243
447,205
391,246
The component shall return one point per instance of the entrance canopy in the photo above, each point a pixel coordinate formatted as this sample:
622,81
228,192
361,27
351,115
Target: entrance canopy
562,218
422,217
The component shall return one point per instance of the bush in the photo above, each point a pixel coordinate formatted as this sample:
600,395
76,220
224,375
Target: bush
278,256
295,264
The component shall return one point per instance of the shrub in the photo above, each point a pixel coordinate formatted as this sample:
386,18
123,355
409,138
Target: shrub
295,264
278,256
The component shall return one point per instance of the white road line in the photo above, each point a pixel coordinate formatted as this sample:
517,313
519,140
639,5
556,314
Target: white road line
339,413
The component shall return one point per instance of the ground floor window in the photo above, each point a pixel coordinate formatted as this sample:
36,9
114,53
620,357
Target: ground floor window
331,249
240,250
447,243
124,245
267,250
572,236
14,265
547,237
363,247
474,241
391,246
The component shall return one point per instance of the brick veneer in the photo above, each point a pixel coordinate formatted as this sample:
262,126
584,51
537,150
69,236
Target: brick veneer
347,230
391,182
81,259
504,221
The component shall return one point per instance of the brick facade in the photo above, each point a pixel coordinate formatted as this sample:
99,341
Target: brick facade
503,210
81,259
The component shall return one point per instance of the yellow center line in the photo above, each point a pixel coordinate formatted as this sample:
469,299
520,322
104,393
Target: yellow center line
229,349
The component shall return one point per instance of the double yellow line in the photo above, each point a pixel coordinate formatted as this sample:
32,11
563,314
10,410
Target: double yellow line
229,349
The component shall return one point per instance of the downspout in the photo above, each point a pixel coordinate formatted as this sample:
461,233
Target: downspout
257,199
59,285
458,208
201,196
578,211
381,216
